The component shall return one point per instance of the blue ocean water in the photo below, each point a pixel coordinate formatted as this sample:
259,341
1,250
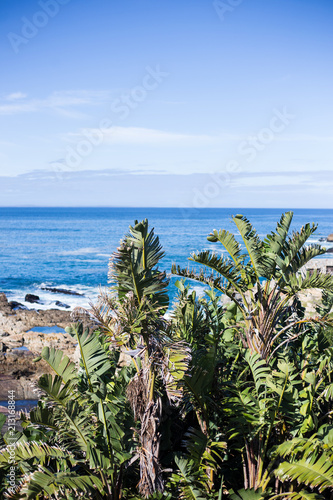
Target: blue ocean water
70,247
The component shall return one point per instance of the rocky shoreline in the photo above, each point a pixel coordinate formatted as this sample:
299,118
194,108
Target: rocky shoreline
19,346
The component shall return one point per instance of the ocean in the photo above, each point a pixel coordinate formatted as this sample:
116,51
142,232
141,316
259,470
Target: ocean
69,248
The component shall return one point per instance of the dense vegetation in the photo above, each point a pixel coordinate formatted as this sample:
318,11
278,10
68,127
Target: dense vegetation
222,399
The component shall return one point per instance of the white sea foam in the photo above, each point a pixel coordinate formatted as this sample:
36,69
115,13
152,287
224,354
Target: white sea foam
326,244
48,299
81,251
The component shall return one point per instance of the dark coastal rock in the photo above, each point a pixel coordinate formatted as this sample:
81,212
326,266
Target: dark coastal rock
16,305
33,299
3,347
330,237
61,290
329,250
61,304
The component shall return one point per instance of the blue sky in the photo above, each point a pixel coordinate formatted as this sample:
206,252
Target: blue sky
173,103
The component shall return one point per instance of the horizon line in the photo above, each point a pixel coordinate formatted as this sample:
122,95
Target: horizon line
166,207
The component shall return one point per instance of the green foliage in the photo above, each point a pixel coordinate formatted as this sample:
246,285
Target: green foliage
264,281
81,445
248,494
220,400
134,266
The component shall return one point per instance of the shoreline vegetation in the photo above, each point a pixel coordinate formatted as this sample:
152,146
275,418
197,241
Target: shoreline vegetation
220,399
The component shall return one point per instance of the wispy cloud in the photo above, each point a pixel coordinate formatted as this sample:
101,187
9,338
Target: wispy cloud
141,135
59,101
40,175
15,96
304,138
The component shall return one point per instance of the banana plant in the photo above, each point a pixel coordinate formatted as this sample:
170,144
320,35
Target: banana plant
207,327
261,409
80,446
263,280
274,409
131,317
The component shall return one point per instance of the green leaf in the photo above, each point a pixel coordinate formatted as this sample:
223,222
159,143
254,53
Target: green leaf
134,266
93,357
60,364
261,263
311,472
229,242
260,370
2,420
248,494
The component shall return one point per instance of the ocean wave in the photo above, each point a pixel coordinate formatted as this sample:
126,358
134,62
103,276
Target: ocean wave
326,244
54,300
80,251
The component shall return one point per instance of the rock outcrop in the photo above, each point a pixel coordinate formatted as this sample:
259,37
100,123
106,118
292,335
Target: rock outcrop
61,290
19,346
33,299
5,308
15,321
19,373
330,237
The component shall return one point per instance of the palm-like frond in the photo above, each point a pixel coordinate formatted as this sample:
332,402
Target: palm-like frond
2,420
191,484
44,417
222,267
302,257
203,451
261,262
313,471
188,316
317,279
134,266
39,452
248,494
275,241
293,245
60,364
43,482
215,281
75,412
303,495
93,357
260,370
310,462
229,242
76,424
147,245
